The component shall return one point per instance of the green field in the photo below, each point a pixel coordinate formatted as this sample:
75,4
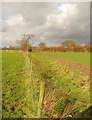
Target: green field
67,92
16,92
82,58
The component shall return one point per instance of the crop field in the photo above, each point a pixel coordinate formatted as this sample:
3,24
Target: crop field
82,58
67,90
16,92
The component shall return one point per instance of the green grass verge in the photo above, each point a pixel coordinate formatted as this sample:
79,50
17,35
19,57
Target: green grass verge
71,86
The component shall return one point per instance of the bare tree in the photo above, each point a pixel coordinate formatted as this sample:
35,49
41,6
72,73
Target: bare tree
69,43
42,45
24,42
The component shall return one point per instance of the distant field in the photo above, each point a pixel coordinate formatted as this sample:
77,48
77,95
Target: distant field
82,58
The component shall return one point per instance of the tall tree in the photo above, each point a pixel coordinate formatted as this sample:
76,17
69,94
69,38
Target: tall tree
24,42
69,43
42,45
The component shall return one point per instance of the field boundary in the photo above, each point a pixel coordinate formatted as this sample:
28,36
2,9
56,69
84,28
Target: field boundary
85,70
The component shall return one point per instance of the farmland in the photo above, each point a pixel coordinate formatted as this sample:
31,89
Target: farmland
82,58
69,85
16,92
67,91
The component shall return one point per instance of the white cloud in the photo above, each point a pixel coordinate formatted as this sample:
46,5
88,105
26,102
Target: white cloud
14,20
67,8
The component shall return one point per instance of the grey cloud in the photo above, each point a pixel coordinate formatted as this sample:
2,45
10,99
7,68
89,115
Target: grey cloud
35,20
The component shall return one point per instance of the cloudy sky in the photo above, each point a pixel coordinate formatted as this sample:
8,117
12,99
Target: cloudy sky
52,23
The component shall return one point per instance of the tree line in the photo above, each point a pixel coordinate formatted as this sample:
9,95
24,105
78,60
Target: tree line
66,46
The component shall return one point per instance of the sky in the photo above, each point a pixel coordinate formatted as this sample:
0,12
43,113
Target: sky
51,23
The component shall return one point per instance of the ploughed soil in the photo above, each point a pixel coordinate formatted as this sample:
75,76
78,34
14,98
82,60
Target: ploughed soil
85,70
